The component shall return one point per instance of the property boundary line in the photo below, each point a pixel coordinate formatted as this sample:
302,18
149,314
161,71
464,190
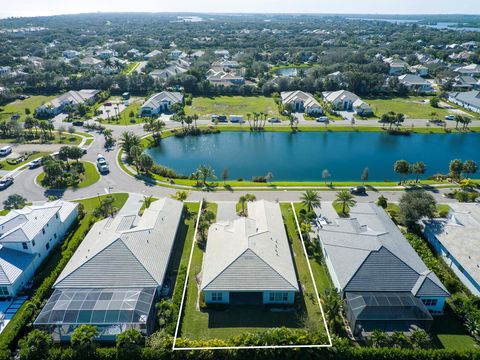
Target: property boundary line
174,348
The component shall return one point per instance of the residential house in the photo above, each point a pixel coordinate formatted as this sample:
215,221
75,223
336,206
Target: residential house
300,101
469,100
114,278
5,70
222,53
177,54
224,78
91,62
26,238
248,260
106,54
420,70
71,98
415,83
225,65
134,54
70,54
343,100
461,56
160,103
152,54
384,283
164,74
397,66
466,83
469,70
456,239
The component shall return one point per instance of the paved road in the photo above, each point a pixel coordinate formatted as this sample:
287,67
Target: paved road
118,181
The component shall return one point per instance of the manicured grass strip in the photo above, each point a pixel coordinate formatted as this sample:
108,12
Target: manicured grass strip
6,166
19,106
90,176
233,105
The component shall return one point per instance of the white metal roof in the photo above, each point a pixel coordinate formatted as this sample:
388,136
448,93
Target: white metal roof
250,254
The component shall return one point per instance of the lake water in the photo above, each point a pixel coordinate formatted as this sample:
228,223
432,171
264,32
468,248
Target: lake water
303,156
290,71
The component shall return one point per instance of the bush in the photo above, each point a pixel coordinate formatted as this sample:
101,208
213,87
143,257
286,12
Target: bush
259,179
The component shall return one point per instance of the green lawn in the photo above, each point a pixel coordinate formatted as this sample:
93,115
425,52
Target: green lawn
235,320
19,106
4,165
449,333
130,68
414,107
232,105
124,118
91,176
68,139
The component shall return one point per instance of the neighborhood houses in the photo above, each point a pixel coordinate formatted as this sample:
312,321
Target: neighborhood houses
343,100
248,260
299,101
160,103
114,278
469,99
27,237
383,281
71,98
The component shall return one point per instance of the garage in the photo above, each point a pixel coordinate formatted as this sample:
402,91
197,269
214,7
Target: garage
246,298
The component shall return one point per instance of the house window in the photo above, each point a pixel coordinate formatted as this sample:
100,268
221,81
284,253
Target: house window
47,245
56,215
55,236
33,242
278,296
3,291
430,302
24,245
43,231
217,297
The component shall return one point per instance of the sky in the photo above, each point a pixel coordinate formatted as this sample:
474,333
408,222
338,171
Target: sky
55,7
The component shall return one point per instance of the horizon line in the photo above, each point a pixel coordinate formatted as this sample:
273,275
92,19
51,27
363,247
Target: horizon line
11,16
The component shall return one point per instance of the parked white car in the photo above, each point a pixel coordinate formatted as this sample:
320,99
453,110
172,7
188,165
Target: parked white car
102,164
450,117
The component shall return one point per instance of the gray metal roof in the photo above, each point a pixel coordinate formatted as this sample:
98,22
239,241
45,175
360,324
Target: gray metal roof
369,253
112,255
250,254
290,97
12,264
471,98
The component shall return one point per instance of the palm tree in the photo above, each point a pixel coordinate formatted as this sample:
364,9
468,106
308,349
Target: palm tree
206,172
180,195
345,199
332,305
310,199
401,167
128,139
246,198
419,168
147,201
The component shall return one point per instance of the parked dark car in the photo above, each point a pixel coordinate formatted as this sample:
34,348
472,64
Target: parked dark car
358,190
77,123
5,182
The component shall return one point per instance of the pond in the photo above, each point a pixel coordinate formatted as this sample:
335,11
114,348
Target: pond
303,156
291,71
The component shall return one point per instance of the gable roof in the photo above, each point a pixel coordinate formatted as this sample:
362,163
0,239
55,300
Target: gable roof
290,97
250,253
23,225
125,251
12,264
410,79
471,98
156,100
369,253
